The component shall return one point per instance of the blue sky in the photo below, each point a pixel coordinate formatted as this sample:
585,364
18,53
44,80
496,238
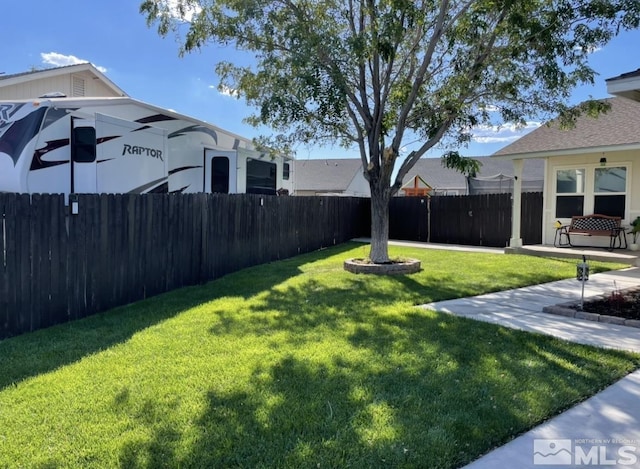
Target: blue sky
113,35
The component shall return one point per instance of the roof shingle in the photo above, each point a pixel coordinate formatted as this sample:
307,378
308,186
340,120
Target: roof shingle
619,126
325,175
335,175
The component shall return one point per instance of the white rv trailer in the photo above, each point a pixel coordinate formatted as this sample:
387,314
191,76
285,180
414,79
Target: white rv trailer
121,145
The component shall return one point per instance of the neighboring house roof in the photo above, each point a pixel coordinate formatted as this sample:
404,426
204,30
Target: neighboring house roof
326,175
617,129
437,176
337,175
18,78
440,178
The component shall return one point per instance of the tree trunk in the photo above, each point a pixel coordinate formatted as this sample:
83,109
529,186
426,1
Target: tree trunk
380,196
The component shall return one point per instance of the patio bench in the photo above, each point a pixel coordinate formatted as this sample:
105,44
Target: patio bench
592,225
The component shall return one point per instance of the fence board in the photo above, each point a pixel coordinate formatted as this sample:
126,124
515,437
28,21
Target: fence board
57,268
5,293
8,288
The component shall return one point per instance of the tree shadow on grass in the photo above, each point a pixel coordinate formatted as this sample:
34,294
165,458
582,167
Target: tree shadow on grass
45,350
432,398
428,390
479,386
302,414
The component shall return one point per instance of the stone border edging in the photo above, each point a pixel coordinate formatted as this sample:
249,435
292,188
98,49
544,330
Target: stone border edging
570,309
411,266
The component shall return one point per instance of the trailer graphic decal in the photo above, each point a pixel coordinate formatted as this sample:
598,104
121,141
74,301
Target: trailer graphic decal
7,111
106,139
155,118
144,127
37,163
184,168
141,189
195,128
19,133
181,190
161,189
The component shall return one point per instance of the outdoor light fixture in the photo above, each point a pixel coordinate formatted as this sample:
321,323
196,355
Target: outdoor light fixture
603,161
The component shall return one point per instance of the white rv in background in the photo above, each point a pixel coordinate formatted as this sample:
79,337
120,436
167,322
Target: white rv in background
121,145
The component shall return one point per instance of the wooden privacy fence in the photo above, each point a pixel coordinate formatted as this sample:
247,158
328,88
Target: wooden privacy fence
56,267
477,220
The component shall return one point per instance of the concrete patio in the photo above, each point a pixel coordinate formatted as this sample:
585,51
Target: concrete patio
623,256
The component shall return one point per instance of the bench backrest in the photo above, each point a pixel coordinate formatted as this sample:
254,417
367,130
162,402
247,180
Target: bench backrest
594,224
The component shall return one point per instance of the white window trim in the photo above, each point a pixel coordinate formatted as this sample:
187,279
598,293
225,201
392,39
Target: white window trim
589,186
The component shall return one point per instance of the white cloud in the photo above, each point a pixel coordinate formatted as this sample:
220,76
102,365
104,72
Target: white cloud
491,108
61,60
503,133
185,14
226,91
588,50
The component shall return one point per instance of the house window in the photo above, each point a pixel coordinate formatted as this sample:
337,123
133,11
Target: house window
220,175
569,192
609,192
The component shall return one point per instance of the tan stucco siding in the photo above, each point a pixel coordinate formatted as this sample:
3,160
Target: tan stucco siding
590,161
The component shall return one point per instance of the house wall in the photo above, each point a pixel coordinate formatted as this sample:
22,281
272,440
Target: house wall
589,162
85,83
359,186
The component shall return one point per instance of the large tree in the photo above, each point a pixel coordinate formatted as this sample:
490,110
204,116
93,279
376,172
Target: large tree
377,74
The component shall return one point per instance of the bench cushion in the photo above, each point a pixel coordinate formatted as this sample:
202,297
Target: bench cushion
592,225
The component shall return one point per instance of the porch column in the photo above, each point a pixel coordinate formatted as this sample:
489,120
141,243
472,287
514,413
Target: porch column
516,211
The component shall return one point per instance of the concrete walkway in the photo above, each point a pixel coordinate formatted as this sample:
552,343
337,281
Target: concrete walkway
521,308
603,431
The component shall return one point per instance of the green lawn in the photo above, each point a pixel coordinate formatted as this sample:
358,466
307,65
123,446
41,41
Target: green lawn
295,364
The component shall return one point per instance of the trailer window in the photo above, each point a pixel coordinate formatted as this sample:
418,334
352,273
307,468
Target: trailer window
83,148
261,177
220,175
286,169
54,114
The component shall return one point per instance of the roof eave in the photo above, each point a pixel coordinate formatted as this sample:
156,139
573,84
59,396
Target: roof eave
627,87
568,152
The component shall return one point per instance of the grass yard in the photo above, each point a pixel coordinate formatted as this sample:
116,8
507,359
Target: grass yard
295,364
